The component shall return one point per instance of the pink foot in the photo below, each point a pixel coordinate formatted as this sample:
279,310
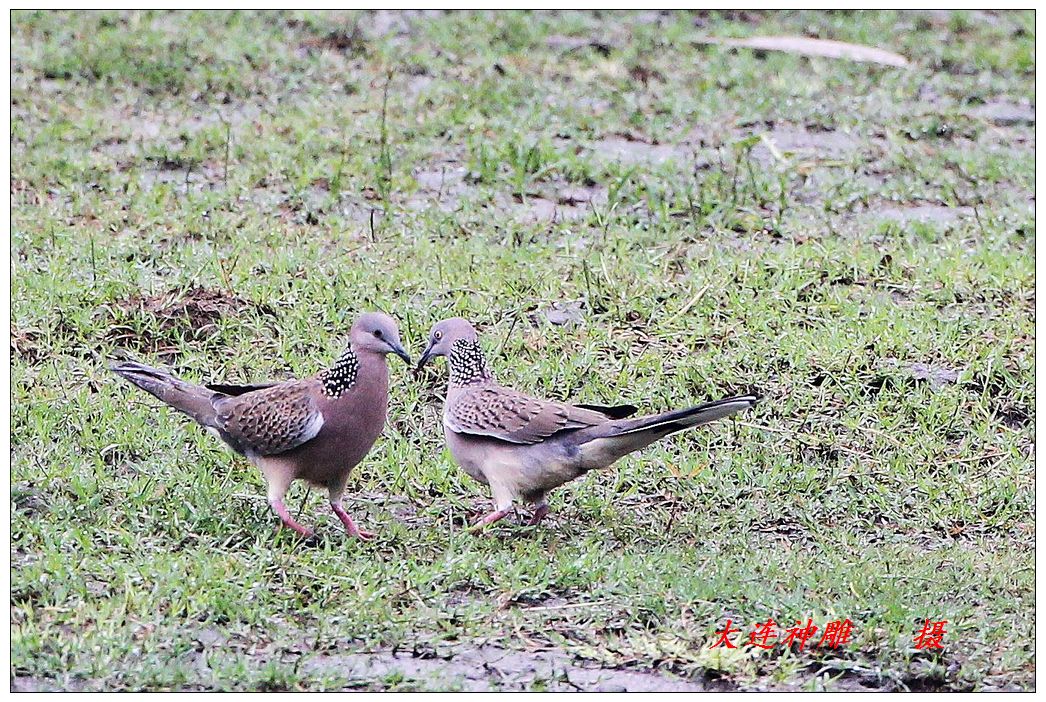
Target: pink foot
538,515
350,526
285,516
489,519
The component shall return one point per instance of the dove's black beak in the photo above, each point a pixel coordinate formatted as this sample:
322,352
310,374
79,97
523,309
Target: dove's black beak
424,358
401,352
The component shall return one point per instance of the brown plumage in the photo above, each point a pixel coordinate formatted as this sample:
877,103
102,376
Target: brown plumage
503,413
523,447
315,429
273,420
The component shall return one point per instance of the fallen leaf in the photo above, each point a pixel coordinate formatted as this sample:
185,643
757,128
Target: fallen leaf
806,46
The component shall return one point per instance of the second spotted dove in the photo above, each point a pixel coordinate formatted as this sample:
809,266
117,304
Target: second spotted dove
315,429
523,447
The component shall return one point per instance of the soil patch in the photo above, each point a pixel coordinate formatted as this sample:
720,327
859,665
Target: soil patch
176,314
801,143
568,314
136,131
554,203
539,209
625,150
478,668
442,185
930,214
30,683
182,178
1005,114
936,376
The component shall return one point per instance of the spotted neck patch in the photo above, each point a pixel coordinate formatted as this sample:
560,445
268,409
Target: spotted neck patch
340,377
467,366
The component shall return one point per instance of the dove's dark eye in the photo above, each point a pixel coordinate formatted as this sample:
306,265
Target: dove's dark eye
377,333
438,335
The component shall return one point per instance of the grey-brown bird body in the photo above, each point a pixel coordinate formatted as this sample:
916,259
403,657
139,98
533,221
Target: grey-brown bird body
315,429
524,447
348,422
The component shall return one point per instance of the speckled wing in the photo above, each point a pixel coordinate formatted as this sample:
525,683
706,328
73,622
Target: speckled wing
271,420
505,414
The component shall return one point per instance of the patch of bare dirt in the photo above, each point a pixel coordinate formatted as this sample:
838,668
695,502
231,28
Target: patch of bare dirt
350,36
440,179
804,144
442,185
936,376
925,213
193,313
1005,114
793,142
573,195
482,669
348,40
133,128
539,209
31,683
568,314
473,669
568,44
445,184
183,177
364,211
385,22
551,202
631,150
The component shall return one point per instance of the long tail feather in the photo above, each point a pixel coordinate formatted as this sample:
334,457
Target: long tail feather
193,400
602,445
678,420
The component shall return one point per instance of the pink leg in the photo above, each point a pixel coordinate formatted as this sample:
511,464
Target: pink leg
538,515
285,516
490,519
350,526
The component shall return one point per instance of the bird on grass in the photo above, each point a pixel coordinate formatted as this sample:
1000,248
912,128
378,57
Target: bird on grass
315,429
524,447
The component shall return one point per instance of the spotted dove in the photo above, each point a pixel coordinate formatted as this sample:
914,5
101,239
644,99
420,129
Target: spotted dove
523,447
316,429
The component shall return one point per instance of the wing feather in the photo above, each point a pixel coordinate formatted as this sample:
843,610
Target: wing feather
505,414
270,420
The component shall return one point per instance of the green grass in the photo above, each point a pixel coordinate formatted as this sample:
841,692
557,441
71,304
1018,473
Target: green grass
217,192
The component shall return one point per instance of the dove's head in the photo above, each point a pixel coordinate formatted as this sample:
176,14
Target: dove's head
376,332
446,336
